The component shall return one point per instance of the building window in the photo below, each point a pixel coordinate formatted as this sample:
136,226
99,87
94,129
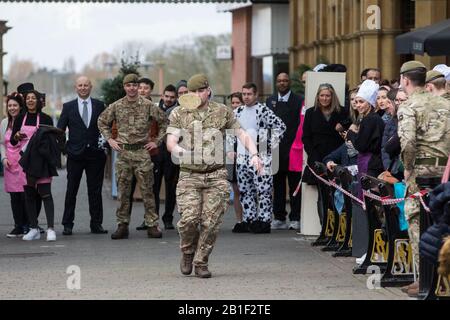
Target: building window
408,14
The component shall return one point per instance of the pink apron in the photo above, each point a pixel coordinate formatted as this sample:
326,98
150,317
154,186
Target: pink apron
29,131
14,177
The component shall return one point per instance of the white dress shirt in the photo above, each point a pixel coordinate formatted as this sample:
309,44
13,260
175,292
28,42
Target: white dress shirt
284,98
89,107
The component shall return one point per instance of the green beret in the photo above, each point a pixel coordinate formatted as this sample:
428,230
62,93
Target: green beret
198,81
411,65
130,78
433,75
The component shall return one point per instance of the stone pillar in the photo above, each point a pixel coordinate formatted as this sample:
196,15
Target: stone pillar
3,30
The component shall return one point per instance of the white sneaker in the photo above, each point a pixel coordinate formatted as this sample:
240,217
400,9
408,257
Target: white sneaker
51,235
279,225
361,260
33,234
294,225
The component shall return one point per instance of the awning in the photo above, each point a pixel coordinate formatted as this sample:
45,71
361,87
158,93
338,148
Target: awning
130,1
434,40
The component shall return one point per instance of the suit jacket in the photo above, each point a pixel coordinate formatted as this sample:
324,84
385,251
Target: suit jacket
81,137
289,113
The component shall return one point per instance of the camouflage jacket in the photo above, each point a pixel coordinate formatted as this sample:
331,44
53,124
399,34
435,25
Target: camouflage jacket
133,120
446,96
424,128
203,134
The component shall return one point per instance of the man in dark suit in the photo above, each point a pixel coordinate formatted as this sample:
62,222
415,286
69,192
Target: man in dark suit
287,106
84,153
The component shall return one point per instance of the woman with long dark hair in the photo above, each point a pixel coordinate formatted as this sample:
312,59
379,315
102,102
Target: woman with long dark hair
14,177
25,126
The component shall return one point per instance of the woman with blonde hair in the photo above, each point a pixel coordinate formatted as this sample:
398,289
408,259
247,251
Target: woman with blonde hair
322,128
354,114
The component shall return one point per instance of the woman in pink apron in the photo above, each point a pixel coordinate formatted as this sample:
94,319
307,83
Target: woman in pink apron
14,177
24,128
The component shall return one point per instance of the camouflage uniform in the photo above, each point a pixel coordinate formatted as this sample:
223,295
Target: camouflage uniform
446,96
424,131
133,121
202,189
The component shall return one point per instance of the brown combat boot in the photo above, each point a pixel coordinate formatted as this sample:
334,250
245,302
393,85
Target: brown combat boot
409,286
413,291
186,263
121,232
202,272
154,232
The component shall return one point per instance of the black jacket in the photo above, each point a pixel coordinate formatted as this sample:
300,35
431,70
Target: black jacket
340,156
368,139
289,113
81,137
43,154
432,239
320,137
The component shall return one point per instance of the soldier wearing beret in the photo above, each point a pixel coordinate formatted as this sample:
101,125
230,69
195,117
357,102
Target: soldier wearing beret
435,83
133,115
424,131
202,189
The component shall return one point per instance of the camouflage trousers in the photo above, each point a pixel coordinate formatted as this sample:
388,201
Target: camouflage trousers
139,164
412,206
202,200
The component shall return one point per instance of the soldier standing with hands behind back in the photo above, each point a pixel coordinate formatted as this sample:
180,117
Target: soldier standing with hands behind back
132,114
424,131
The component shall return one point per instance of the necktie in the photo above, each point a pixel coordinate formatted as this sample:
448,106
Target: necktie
85,114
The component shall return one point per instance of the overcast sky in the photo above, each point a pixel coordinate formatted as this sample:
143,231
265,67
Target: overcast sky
50,33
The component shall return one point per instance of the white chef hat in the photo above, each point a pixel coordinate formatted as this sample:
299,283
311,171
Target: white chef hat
368,91
444,69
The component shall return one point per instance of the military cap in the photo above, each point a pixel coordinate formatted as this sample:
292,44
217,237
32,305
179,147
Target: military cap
197,81
411,65
25,87
433,75
131,78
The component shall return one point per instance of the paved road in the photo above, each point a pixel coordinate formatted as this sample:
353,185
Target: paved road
280,265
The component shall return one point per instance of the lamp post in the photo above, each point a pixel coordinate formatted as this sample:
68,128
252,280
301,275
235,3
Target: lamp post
3,30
